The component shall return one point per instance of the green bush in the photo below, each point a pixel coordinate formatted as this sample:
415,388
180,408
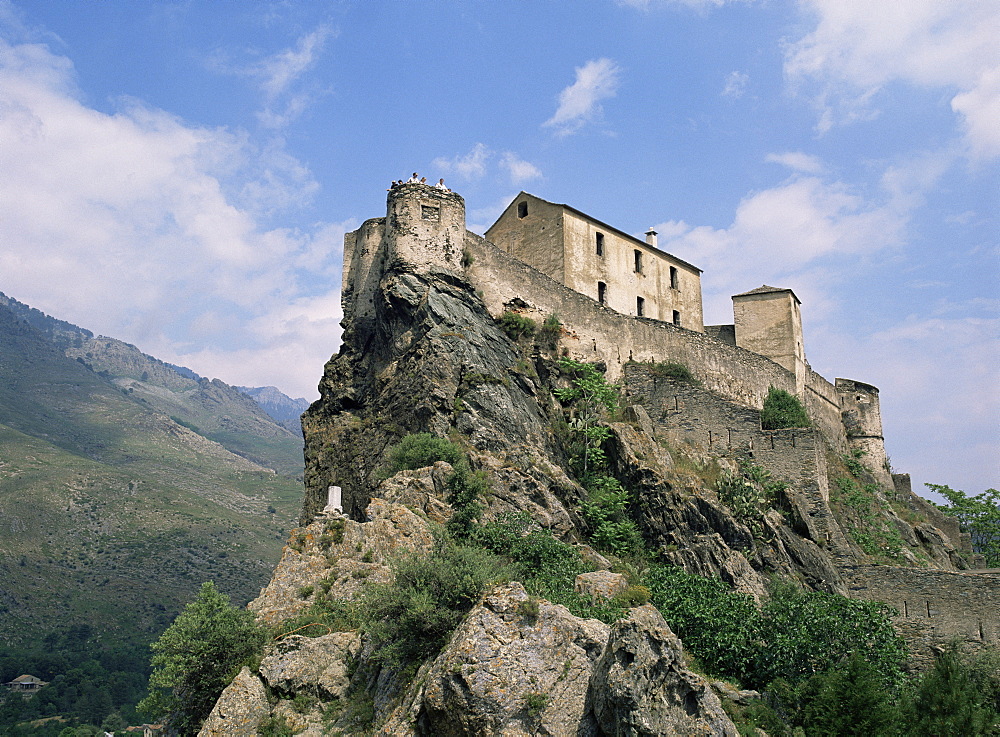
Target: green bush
197,656
950,700
419,450
673,370
806,632
517,326
550,332
781,410
719,626
848,699
605,512
412,617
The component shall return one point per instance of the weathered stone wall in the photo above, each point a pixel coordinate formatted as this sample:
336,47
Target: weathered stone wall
595,333
533,235
769,323
687,414
862,420
562,243
934,606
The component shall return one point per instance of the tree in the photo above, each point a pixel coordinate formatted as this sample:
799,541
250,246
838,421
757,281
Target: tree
197,656
947,701
977,515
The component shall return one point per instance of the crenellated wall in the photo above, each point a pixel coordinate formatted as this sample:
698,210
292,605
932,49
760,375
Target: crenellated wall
934,606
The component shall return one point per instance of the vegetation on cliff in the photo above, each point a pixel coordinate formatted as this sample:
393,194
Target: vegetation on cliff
977,515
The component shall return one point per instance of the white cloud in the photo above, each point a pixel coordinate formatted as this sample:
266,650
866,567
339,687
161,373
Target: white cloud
797,161
136,225
916,363
520,171
595,81
857,47
475,164
736,84
277,75
277,72
470,166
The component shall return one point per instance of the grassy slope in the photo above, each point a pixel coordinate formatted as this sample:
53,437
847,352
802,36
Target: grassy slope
111,512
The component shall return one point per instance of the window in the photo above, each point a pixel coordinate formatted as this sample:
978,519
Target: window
677,318
638,261
429,212
673,277
600,244
522,209
602,292
640,306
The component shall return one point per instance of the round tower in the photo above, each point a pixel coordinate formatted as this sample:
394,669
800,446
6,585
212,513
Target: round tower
862,418
425,227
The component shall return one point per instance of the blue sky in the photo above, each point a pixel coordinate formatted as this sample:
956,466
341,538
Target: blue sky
180,175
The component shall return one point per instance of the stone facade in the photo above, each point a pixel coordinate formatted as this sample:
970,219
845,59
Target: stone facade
628,275
768,321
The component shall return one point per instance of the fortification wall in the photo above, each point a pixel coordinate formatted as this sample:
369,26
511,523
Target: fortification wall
934,606
595,333
687,414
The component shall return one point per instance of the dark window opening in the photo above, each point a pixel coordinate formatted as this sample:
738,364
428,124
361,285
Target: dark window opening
428,212
677,318
602,292
600,244
638,262
673,277
640,306
522,209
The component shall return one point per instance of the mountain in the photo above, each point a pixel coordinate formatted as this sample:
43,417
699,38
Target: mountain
284,410
210,408
124,486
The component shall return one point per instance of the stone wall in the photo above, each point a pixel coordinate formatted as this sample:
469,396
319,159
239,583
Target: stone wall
934,606
594,333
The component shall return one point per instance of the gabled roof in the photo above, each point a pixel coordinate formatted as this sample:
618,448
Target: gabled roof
612,228
765,289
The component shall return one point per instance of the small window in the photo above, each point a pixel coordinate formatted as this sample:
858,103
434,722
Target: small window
640,305
522,209
427,212
600,244
602,292
638,261
677,318
673,277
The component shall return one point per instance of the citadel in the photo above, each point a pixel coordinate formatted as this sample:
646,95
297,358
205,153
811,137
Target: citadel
625,305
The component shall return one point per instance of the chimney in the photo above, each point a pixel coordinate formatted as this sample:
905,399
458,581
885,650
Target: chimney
651,237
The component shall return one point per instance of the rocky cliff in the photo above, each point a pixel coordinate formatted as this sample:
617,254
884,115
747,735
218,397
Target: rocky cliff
422,354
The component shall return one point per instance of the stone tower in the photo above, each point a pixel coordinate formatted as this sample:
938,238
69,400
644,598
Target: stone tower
423,231
862,417
768,321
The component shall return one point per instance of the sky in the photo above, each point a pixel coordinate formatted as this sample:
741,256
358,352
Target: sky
180,175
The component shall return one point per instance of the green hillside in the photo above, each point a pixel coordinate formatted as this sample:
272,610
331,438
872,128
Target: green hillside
111,512
210,408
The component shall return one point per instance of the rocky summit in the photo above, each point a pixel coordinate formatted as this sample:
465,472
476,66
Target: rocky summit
429,348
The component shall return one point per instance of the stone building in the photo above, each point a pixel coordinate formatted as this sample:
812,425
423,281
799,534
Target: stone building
628,275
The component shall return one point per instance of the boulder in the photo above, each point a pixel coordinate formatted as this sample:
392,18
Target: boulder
240,710
641,686
318,666
600,584
515,666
